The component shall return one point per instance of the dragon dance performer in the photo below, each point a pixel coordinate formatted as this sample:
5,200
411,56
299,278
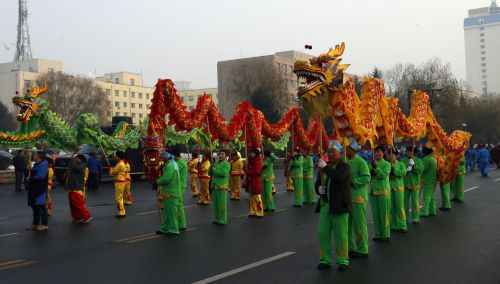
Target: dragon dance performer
334,207
193,174
183,169
360,178
289,181
483,158
127,194
414,168
237,172
398,214
204,177
470,156
220,185
458,182
429,174
75,185
445,194
297,175
120,180
267,178
37,192
170,193
308,181
380,199
50,173
254,184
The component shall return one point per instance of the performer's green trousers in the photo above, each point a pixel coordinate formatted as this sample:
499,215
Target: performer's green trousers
170,223
445,195
398,214
458,187
219,198
267,195
298,185
380,210
429,193
309,195
414,194
358,231
181,215
338,226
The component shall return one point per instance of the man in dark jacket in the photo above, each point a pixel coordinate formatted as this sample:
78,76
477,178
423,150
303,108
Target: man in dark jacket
95,167
75,185
19,163
334,207
37,192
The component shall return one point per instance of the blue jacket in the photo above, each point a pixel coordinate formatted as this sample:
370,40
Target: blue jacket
483,155
37,190
95,165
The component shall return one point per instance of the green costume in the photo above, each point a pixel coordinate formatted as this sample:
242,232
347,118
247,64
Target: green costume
267,178
429,185
220,184
358,231
398,215
380,199
181,214
412,188
308,174
458,182
296,173
445,196
171,194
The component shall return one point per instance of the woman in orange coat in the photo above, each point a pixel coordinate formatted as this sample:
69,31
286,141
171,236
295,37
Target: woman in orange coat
254,169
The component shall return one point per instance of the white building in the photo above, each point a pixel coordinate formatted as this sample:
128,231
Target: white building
482,49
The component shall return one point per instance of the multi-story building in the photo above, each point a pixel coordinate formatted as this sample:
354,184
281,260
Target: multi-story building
482,49
282,61
190,97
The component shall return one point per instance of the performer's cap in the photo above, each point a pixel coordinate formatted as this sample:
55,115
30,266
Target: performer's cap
334,144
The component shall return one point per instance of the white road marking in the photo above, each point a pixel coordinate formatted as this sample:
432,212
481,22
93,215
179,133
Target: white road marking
472,188
244,268
3,218
10,234
156,211
498,179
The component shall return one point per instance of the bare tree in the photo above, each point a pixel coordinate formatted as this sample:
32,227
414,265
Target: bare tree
264,86
7,119
71,96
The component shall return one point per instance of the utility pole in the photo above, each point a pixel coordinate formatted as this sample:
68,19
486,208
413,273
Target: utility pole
23,46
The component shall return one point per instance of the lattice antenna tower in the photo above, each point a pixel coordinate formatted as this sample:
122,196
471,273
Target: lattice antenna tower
23,46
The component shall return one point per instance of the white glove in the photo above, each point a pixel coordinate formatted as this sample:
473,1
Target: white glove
409,169
412,162
321,164
322,189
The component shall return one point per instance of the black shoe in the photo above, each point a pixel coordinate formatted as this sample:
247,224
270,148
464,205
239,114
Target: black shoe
343,267
444,209
120,216
80,221
267,210
377,239
86,221
432,215
416,222
323,266
358,255
297,206
402,231
385,240
182,229
272,210
159,232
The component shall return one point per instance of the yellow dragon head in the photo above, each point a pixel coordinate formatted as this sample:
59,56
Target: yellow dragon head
321,75
30,104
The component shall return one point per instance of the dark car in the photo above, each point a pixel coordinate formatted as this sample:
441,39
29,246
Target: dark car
135,156
5,160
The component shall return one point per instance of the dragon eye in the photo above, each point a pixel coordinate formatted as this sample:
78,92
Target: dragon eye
320,64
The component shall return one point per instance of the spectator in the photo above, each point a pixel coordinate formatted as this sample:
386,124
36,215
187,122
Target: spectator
37,192
19,163
95,167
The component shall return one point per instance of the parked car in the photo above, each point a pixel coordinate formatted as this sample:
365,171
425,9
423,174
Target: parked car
5,160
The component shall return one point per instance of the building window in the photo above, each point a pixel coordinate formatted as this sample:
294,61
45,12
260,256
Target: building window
481,34
108,103
117,80
482,40
108,92
485,83
108,113
140,95
190,108
483,70
117,104
117,93
140,106
483,77
132,82
190,98
124,104
27,83
125,113
485,90
147,105
133,115
132,105
117,113
483,52
124,94
140,115
480,21
483,58
132,94
481,28
147,96
483,46
483,64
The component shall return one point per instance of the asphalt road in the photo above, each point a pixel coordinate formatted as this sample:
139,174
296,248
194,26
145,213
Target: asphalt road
461,246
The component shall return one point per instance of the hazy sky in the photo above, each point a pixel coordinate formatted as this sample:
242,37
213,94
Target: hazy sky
183,40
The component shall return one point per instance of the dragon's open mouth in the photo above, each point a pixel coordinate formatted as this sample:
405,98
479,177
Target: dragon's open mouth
313,80
25,110
152,155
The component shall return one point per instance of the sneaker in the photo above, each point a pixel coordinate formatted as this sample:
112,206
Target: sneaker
79,221
297,206
42,228
385,240
32,228
358,255
86,221
375,239
416,222
343,267
323,266
120,216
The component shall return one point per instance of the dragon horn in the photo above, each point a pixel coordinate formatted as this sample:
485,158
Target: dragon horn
38,91
338,51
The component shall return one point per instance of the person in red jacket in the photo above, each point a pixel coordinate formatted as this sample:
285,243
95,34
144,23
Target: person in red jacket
254,169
